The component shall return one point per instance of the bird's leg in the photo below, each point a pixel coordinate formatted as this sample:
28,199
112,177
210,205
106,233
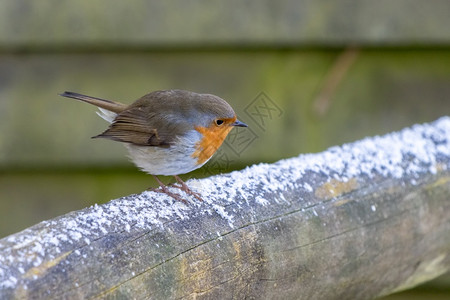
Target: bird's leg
185,188
163,188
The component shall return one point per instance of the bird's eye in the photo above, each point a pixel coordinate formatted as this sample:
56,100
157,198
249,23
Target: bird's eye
219,122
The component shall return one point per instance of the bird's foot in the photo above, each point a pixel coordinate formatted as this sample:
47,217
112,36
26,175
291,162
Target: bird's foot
183,186
163,189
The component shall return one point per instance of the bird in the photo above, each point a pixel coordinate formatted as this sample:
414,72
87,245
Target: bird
167,132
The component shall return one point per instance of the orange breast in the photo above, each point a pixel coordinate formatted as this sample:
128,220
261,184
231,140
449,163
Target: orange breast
213,137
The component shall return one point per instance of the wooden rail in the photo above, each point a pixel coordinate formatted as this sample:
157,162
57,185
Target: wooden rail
354,222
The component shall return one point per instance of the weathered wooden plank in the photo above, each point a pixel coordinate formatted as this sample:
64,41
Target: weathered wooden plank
33,24
353,222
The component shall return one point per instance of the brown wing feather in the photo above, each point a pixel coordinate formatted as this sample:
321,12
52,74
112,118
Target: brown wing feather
136,126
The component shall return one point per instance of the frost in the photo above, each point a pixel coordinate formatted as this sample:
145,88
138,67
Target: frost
308,187
37,262
9,282
261,200
221,211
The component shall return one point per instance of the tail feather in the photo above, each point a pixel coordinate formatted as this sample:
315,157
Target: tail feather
109,105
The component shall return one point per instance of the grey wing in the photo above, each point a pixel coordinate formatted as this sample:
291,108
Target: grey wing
136,126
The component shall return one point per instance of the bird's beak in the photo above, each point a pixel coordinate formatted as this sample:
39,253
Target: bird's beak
239,124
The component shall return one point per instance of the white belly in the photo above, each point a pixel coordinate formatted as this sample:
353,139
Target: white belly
175,160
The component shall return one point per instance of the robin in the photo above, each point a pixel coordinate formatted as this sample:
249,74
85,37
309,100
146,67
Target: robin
169,132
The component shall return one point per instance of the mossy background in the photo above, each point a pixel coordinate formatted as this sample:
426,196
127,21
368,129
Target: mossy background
287,53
